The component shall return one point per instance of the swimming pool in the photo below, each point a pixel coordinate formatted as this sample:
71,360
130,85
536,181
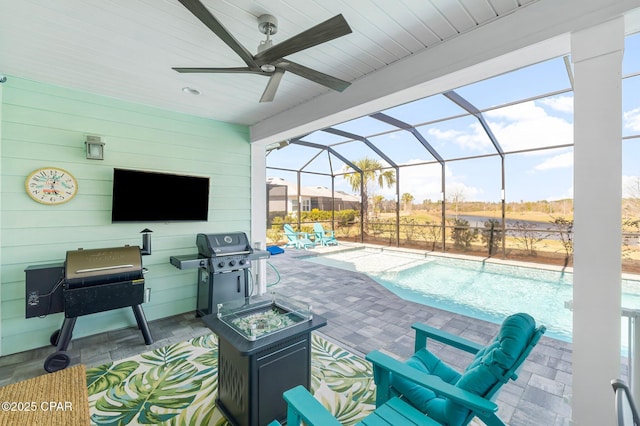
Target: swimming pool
477,289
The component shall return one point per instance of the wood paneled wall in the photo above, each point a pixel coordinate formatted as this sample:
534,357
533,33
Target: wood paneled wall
44,125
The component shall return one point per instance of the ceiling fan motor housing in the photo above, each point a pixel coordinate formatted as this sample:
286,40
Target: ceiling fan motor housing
267,24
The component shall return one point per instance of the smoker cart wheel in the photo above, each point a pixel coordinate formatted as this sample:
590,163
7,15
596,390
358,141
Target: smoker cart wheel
58,360
54,337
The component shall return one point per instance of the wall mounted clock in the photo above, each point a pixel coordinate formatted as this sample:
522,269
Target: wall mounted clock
51,185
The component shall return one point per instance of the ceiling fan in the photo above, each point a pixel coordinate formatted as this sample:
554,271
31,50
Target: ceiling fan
270,60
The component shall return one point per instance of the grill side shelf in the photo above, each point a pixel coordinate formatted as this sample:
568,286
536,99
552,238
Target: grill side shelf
189,261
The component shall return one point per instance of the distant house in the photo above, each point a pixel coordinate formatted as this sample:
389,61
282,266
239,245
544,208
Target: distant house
282,198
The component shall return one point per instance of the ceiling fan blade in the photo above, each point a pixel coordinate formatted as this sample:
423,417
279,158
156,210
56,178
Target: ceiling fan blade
323,32
313,75
272,86
245,70
203,14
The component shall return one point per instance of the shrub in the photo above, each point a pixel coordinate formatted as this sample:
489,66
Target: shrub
462,234
565,227
492,235
408,226
528,237
274,235
346,217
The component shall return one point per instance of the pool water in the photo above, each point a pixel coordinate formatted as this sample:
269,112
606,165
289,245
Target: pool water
486,291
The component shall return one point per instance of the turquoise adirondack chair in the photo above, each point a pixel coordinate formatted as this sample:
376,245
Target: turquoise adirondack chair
406,391
299,240
302,406
325,238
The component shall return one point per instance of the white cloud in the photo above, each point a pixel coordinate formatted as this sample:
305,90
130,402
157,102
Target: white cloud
527,126
631,119
424,183
560,103
560,161
522,126
473,140
464,191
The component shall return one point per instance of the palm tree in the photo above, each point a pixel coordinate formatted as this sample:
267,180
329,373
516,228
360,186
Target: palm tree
407,201
377,204
372,173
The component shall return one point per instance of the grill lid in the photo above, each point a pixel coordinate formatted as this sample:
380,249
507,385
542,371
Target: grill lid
103,264
230,243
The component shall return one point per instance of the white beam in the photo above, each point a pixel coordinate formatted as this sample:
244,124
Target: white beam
535,33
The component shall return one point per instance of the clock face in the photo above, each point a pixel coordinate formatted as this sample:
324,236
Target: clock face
51,185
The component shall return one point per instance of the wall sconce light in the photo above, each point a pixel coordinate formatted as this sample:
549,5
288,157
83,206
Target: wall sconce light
95,147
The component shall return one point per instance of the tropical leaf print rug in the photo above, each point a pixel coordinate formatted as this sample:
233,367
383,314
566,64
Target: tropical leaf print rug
177,385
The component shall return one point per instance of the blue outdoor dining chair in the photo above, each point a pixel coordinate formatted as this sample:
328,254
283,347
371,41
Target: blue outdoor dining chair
325,238
299,240
425,391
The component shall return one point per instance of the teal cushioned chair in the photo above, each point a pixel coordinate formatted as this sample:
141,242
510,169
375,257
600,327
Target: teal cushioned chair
451,397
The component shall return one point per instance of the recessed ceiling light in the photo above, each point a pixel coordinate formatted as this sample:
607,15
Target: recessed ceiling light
190,90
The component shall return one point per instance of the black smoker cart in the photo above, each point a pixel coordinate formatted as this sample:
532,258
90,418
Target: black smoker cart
88,282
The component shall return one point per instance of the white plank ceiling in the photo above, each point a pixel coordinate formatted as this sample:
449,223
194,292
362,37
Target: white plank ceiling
125,48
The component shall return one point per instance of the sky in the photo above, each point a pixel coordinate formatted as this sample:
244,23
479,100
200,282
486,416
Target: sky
530,176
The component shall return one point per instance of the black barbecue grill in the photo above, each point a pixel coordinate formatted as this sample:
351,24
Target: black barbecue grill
223,263
92,281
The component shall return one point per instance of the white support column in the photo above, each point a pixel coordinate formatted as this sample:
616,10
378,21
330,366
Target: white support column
597,57
259,213
1,84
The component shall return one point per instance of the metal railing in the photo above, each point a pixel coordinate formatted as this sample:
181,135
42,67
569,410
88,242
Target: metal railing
633,338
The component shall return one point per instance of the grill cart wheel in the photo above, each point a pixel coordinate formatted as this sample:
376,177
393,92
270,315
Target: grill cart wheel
58,360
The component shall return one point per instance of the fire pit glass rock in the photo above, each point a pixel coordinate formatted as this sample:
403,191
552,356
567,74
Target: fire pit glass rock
256,317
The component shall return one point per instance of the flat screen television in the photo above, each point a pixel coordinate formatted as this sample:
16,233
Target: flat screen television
143,196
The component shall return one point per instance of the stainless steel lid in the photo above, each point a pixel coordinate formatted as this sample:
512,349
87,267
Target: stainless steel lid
93,263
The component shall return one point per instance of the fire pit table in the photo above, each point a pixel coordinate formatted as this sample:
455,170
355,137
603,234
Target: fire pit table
264,349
